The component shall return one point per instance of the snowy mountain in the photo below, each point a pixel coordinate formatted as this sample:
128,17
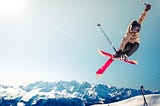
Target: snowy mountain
65,93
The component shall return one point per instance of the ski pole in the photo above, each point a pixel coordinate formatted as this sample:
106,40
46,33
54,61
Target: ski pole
142,91
99,25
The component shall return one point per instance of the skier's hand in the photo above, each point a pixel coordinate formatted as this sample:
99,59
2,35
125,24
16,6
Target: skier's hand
118,54
148,7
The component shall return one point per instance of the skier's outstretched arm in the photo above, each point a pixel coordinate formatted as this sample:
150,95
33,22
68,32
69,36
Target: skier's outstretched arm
144,13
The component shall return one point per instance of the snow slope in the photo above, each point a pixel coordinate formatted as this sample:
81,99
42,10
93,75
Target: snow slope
152,100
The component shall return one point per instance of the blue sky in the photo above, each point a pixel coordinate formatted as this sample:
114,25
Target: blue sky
53,40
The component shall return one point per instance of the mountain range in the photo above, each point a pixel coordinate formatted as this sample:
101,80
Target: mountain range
65,93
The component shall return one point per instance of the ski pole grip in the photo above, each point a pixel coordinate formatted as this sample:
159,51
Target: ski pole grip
141,87
98,24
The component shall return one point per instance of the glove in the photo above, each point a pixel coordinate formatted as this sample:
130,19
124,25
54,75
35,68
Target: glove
148,7
118,54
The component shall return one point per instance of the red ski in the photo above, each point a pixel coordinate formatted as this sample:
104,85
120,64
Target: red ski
103,68
111,59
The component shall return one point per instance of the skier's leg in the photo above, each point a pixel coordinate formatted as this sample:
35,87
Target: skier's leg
121,53
127,47
134,47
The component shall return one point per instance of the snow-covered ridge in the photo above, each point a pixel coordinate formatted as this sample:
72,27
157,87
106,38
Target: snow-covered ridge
152,100
81,93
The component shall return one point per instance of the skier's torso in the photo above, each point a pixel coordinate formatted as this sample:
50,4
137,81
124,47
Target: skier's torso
133,37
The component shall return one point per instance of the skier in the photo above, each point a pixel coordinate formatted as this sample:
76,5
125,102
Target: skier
130,42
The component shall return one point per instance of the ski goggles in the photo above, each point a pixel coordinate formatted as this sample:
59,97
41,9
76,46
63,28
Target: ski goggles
136,29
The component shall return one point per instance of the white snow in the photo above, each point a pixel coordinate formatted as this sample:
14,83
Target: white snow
11,92
20,104
152,100
30,94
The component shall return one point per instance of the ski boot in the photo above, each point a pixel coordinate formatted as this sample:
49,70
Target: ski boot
124,57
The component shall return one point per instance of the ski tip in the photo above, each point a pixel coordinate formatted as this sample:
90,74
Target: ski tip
135,62
100,52
98,75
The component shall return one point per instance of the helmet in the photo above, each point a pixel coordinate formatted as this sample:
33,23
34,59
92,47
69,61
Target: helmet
135,26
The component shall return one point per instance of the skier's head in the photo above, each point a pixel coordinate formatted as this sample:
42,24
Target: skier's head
135,27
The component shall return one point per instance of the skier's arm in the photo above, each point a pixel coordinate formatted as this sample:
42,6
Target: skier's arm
124,41
144,13
142,17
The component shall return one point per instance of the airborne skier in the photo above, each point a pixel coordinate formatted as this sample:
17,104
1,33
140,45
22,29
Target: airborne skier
130,42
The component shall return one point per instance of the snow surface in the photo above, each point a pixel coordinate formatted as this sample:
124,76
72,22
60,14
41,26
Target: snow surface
152,100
